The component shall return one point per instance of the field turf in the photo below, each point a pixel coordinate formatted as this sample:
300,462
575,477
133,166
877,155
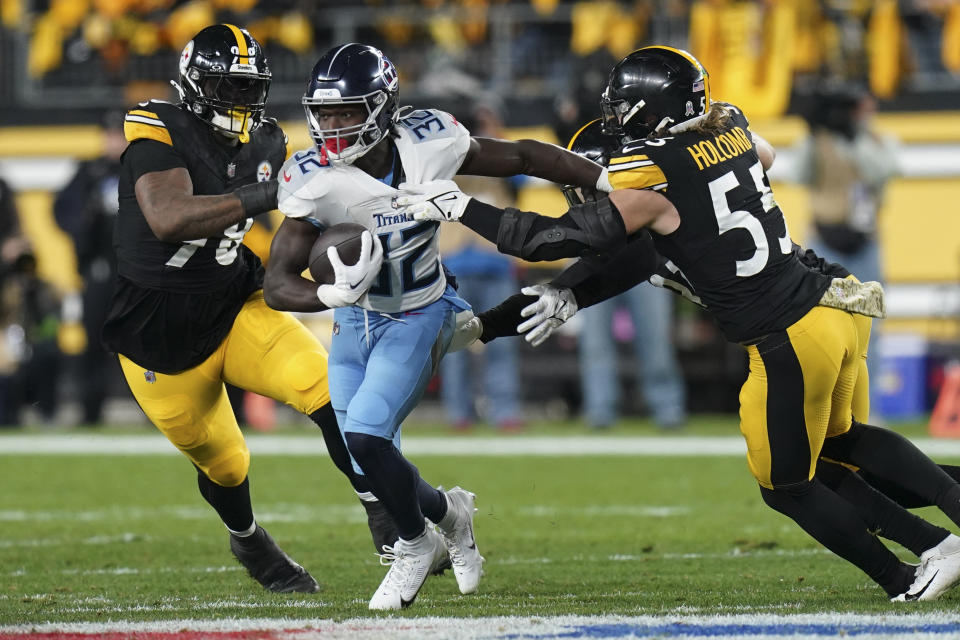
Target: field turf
95,538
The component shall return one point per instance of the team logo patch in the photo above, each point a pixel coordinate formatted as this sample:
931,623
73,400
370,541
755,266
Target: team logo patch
388,72
150,376
185,56
688,110
265,172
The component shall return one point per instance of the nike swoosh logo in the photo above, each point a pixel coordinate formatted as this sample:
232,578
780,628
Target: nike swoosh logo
354,286
916,595
286,176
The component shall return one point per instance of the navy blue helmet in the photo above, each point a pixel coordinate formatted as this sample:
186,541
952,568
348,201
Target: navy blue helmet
352,74
224,79
653,90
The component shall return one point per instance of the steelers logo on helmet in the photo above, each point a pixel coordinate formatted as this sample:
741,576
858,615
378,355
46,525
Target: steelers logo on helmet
351,77
654,90
264,171
224,79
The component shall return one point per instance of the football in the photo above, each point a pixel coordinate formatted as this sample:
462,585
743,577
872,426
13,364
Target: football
346,238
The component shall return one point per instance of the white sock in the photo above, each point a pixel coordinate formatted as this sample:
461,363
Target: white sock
419,543
450,517
244,534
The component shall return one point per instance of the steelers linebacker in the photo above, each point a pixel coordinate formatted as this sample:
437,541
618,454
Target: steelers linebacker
187,313
691,175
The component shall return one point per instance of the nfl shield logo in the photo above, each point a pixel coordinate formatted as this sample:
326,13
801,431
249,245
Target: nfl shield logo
336,328
150,376
232,170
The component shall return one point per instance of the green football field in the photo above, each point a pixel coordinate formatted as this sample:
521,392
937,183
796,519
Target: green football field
95,537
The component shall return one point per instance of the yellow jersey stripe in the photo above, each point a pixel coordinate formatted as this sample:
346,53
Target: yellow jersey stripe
577,134
143,112
648,177
241,43
624,159
134,130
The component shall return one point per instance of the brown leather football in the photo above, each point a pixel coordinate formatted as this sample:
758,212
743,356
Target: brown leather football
346,238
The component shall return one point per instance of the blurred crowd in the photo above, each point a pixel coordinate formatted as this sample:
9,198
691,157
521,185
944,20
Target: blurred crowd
756,49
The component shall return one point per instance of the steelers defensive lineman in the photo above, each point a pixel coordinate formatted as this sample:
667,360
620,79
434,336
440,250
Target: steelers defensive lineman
693,175
188,312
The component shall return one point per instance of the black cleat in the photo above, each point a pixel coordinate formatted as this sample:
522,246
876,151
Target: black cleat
382,528
269,565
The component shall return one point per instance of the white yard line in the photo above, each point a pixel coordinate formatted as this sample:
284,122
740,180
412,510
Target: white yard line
756,626
155,444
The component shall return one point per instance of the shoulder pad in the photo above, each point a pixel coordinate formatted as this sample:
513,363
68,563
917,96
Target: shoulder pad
632,167
145,121
739,118
302,180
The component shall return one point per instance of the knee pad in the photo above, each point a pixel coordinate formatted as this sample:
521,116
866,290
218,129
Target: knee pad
179,425
305,375
228,470
783,498
370,411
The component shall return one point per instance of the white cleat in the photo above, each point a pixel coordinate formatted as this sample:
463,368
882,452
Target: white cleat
411,562
939,570
458,536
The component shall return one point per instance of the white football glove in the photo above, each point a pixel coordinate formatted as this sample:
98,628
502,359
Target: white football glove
435,200
467,332
352,281
555,306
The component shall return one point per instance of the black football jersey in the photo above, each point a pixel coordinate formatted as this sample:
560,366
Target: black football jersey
732,244
175,302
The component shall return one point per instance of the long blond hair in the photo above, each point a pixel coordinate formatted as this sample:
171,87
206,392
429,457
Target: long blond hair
713,122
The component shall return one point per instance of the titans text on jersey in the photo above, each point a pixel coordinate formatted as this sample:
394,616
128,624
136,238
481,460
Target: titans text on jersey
430,145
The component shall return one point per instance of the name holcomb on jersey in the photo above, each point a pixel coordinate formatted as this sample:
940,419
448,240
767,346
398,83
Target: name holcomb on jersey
732,246
430,145
215,167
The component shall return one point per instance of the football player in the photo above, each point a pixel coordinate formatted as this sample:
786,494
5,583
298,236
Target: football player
188,313
691,176
396,308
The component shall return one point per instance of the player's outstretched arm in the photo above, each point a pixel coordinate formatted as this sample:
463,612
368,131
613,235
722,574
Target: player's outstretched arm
175,214
284,287
536,312
504,158
585,228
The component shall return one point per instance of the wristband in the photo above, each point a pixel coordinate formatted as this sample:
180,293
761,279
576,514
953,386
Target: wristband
258,197
603,182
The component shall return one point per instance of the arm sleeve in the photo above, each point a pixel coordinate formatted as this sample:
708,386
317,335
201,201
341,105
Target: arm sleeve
587,228
592,279
502,320
146,156
596,278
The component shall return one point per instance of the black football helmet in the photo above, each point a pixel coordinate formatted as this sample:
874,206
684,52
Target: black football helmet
224,79
654,89
593,144
354,74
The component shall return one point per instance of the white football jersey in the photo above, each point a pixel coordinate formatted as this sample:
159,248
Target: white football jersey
432,145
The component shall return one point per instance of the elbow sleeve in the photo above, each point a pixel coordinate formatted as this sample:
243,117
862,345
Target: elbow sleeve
590,227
